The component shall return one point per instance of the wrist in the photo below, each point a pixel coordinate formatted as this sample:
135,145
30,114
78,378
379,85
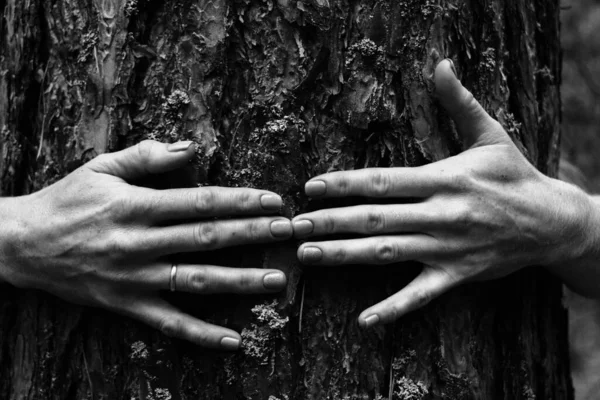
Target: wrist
579,244
593,245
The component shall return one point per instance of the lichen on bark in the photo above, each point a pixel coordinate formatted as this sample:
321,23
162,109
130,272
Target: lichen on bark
276,92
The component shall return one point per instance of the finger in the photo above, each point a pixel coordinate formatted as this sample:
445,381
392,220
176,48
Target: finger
145,158
428,285
365,219
205,202
208,279
174,323
373,250
375,182
212,235
473,123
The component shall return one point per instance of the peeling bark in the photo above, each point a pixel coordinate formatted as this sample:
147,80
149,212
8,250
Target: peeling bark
276,92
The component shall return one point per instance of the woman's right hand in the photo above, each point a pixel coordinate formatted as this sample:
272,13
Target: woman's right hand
94,239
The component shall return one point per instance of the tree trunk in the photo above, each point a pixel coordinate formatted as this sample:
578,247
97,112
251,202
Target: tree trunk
275,92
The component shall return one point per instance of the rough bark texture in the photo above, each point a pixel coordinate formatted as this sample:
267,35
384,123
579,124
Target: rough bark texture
276,92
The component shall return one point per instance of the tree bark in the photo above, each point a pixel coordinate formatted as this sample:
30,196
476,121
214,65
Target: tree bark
275,92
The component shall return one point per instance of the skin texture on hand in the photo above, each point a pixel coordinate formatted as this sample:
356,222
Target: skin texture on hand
94,239
480,215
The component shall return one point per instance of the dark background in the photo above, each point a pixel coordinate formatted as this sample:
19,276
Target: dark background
581,147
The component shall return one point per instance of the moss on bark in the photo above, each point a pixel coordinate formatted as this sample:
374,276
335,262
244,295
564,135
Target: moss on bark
276,92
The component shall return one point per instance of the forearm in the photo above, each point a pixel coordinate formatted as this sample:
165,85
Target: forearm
581,269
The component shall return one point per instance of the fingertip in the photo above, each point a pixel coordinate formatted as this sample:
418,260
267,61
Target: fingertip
215,337
274,280
299,253
473,123
181,147
309,254
368,319
271,201
447,65
302,227
446,78
156,157
282,229
315,188
231,343
173,323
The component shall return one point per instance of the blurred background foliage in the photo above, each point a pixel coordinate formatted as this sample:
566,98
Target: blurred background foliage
581,87
581,148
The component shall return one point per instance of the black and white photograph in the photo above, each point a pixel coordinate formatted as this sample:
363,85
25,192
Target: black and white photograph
299,200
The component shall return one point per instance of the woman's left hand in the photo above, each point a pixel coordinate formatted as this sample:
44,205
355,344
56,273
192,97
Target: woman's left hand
482,214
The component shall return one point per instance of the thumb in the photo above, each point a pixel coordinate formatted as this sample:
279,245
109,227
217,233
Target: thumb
145,158
475,126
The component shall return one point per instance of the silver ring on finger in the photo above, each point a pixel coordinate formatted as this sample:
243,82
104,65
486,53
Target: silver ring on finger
172,281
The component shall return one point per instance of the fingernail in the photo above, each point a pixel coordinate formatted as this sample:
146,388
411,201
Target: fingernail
274,280
281,228
303,227
315,188
452,67
371,320
229,343
271,202
180,146
312,255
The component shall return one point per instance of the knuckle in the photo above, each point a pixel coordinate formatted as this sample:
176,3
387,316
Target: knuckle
463,214
105,299
171,326
103,159
380,183
343,186
204,201
395,311
386,252
118,245
144,150
120,205
206,235
461,180
244,202
329,225
375,221
420,297
245,282
254,231
198,281
456,178
339,256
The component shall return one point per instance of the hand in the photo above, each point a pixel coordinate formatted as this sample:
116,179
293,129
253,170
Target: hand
96,240
482,214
